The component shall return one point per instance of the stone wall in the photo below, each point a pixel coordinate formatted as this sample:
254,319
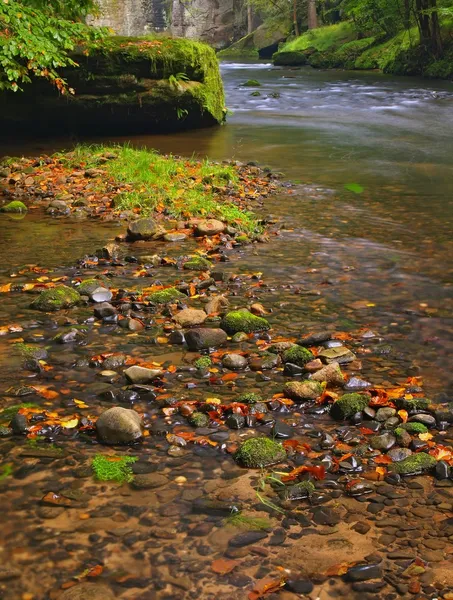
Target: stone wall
133,17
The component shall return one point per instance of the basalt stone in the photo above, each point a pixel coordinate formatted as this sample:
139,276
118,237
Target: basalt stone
201,338
383,442
363,573
145,229
119,426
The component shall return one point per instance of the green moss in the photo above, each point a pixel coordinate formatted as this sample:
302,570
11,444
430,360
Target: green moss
249,398
248,523
170,294
203,363
198,419
243,320
88,286
302,489
198,263
412,403
348,405
113,468
297,355
414,427
29,351
56,298
5,471
251,83
8,413
16,206
293,58
414,465
259,452
323,38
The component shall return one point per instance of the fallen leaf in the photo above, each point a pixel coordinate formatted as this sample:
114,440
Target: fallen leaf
222,566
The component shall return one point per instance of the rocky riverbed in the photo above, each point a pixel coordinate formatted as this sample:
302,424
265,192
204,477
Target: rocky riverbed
167,435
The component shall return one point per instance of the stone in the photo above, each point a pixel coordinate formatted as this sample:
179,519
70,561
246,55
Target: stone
340,355
312,366
399,454
56,298
145,229
175,237
244,321
119,426
315,339
247,538
356,384
427,420
104,309
190,317
299,586
209,227
101,294
303,390
203,338
235,421
363,573
88,591
216,304
16,206
234,362
281,430
149,481
58,207
259,452
348,405
384,441
141,375
384,413
415,464
331,373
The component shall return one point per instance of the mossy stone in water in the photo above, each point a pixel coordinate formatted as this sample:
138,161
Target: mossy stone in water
414,465
412,403
198,263
259,452
16,206
348,405
243,320
252,83
56,298
165,296
249,398
414,427
87,287
297,355
198,419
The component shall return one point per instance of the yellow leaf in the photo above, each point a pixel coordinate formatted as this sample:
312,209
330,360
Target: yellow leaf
70,424
213,400
425,437
80,403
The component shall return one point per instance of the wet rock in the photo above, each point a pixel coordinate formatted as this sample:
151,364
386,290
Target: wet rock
442,470
235,362
88,591
315,338
356,384
427,420
56,298
293,370
325,516
340,355
58,207
19,424
363,573
399,454
348,405
259,452
141,375
198,419
281,430
331,374
414,465
247,538
69,337
177,337
149,481
313,366
114,362
302,390
216,305
216,508
403,437
297,355
203,338
175,237
190,317
383,442
384,413
108,252
101,294
145,229
243,321
209,227
412,403
299,586
235,421
360,488
119,426
104,309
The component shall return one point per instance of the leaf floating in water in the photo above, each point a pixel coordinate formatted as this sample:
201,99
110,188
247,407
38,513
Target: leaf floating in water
354,187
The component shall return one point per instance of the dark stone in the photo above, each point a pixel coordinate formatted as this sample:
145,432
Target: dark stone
442,470
325,516
281,430
19,424
363,573
293,370
200,338
315,338
299,586
235,421
176,337
247,538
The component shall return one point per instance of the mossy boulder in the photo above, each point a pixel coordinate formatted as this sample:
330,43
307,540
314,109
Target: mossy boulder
125,85
198,419
16,206
412,403
348,405
414,428
56,298
166,296
256,453
87,287
251,83
292,58
198,263
416,464
297,355
243,320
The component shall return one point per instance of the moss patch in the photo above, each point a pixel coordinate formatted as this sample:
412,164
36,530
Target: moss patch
348,405
203,363
248,523
414,465
412,403
16,206
170,294
297,355
259,452
8,413
243,320
198,263
198,419
249,398
414,427
113,468
56,298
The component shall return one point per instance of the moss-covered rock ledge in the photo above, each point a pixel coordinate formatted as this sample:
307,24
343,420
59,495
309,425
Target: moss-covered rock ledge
124,85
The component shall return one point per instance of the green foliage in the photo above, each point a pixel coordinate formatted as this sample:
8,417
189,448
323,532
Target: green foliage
323,38
249,398
354,187
36,39
414,427
203,363
113,468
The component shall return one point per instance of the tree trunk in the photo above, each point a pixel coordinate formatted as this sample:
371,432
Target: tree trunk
249,17
296,24
407,14
436,39
312,16
428,25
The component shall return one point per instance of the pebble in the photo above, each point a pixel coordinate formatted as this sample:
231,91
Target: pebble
363,572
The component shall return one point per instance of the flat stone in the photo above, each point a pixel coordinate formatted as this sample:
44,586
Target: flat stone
209,227
190,317
330,373
149,481
340,355
363,573
247,538
383,442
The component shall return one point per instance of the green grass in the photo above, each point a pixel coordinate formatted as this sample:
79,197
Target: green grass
322,38
113,468
181,187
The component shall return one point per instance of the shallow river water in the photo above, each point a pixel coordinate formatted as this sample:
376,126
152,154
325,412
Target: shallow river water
376,261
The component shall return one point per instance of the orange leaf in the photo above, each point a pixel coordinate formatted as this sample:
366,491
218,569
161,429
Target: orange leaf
222,566
230,377
403,415
95,571
384,459
338,569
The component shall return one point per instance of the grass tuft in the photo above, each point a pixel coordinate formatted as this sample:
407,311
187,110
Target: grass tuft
113,468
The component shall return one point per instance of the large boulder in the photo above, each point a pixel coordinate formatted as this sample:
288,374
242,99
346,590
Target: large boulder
145,229
202,338
119,426
262,42
56,298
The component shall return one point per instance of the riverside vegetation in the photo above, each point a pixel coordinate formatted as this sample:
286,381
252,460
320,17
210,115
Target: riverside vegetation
162,408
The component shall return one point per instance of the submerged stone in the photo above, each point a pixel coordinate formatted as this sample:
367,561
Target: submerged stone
56,298
259,452
203,338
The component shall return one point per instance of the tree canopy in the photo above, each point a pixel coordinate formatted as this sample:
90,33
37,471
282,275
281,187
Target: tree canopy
36,37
